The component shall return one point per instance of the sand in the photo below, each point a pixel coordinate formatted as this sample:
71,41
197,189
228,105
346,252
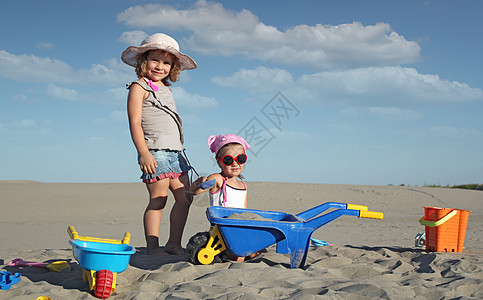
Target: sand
368,259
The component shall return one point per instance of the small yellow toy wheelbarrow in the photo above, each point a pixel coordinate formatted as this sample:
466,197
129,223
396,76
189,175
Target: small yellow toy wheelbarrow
101,260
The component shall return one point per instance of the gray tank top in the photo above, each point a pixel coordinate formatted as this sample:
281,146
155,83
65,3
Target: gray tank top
162,126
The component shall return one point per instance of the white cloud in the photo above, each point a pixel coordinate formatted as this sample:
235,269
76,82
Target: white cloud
23,98
111,97
43,45
446,133
373,86
453,132
218,31
202,14
24,127
103,75
286,136
349,112
343,127
23,124
386,85
260,78
134,37
372,112
64,93
95,140
392,113
43,69
192,101
35,68
116,116
115,95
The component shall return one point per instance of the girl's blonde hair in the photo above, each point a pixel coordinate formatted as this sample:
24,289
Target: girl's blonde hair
173,75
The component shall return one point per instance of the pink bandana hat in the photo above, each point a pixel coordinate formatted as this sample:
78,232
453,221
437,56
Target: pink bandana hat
215,142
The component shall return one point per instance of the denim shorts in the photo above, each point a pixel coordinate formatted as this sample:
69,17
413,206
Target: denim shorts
171,164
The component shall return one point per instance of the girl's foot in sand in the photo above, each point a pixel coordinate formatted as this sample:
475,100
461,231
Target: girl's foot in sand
156,252
251,256
174,250
244,258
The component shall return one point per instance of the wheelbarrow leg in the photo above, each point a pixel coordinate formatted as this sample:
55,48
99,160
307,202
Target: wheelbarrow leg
298,244
282,247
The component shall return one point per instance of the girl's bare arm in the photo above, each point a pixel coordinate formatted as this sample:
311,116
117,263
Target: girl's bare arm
135,110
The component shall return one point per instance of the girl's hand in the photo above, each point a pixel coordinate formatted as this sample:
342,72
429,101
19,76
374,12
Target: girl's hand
147,162
196,184
200,181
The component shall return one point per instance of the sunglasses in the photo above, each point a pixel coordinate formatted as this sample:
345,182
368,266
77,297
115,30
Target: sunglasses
228,160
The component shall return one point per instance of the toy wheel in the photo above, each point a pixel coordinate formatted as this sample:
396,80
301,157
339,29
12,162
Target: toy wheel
103,284
196,244
420,239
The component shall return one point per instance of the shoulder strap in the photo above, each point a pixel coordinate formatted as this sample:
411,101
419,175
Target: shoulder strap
224,190
225,179
151,84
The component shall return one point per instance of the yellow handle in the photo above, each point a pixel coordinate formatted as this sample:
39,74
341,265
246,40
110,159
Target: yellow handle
357,207
371,215
75,236
127,238
424,222
72,233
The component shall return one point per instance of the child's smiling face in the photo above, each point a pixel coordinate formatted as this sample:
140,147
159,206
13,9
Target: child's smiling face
236,168
158,65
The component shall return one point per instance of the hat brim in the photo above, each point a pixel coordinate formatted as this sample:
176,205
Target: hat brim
129,55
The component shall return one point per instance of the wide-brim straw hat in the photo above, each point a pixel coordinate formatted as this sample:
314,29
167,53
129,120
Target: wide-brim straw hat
158,41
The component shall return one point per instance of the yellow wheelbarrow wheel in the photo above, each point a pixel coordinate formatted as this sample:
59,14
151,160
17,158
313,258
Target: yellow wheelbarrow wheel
206,256
205,248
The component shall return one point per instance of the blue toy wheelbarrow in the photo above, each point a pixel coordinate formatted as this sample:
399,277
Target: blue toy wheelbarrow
101,260
243,237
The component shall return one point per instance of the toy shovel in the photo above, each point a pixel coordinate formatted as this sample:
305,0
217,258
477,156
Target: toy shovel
208,184
56,266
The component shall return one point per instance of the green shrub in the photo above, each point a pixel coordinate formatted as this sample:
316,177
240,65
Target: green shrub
472,186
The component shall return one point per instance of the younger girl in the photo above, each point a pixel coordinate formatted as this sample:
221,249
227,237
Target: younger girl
230,154
156,131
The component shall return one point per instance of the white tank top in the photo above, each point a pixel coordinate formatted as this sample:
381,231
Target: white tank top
229,196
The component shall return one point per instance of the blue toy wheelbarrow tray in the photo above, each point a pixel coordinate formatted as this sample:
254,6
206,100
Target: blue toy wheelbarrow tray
291,233
98,256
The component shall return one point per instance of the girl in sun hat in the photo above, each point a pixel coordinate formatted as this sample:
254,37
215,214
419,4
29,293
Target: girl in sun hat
156,131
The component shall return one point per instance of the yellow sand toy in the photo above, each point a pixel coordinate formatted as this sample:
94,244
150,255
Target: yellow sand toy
101,260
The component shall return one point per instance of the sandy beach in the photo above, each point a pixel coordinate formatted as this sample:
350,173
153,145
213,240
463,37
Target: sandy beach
368,258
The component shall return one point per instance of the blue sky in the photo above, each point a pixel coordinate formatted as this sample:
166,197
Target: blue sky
343,92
